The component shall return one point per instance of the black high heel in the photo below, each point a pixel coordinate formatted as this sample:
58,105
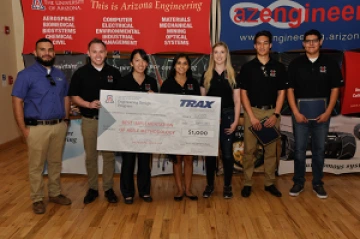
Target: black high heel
178,198
192,198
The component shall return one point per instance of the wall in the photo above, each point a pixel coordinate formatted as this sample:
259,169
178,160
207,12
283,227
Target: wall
10,64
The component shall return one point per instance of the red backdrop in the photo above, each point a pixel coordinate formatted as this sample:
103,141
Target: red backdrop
156,26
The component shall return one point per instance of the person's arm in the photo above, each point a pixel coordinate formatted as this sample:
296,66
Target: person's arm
85,104
334,95
18,109
247,106
292,74
279,103
67,106
237,105
300,118
202,91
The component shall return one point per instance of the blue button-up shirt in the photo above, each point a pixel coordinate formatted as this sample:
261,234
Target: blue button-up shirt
42,101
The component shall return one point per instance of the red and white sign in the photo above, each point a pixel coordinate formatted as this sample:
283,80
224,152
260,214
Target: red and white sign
154,25
351,93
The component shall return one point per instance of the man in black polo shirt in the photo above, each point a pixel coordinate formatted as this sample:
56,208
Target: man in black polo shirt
85,87
262,83
312,75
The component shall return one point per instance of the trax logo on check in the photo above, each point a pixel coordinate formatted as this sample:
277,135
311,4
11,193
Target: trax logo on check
196,104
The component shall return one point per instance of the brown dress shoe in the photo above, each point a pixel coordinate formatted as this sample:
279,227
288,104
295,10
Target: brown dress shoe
61,199
38,207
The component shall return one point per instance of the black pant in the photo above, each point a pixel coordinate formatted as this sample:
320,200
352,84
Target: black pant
226,145
143,174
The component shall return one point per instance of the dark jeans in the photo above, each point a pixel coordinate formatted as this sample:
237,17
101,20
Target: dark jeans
318,132
143,174
226,145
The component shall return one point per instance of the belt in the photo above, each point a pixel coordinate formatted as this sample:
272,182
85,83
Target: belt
264,107
96,117
35,122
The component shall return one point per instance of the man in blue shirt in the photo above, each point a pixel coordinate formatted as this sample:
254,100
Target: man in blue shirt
41,109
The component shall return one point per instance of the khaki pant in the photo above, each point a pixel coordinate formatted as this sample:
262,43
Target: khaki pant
89,129
45,143
250,146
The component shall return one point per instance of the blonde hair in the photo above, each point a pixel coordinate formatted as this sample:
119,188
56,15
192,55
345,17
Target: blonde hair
230,72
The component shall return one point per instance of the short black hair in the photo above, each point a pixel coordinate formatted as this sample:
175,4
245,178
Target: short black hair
43,40
142,54
96,40
313,32
263,33
176,58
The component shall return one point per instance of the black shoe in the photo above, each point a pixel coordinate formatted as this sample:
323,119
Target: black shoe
246,191
320,191
129,200
208,191
91,195
192,198
296,190
110,195
178,198
227,194
147,198
273,190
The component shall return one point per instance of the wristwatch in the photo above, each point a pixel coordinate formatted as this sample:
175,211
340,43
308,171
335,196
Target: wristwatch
277,115
66,120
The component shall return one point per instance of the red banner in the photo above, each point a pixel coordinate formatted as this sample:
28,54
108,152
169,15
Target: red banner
351,93
155,25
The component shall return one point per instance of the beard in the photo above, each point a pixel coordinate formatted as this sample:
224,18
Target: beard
45,62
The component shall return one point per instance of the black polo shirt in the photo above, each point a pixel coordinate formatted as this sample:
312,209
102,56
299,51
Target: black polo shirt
87,82
128,83
262,82
170,86
314,80
220,87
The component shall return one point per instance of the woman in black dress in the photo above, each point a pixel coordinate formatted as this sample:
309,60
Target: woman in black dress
181,82
137,80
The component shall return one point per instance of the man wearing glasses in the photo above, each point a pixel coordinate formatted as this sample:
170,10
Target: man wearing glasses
41,109
262,89
312,77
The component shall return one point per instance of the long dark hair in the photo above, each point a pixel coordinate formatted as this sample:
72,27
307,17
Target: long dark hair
172,72
143,56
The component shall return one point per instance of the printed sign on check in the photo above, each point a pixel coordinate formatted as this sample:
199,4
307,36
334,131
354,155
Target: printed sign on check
158,123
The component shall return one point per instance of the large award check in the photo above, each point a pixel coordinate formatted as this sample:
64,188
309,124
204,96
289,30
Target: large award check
158,123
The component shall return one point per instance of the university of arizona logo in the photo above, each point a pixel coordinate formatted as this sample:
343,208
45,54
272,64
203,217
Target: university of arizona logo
109,99
190,86
37,5
322,69
273,73
147,87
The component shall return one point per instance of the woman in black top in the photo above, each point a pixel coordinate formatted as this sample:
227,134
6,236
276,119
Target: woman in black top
137,80
180,81
219,80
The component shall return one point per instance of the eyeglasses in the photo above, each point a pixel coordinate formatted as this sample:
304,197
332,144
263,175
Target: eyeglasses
52,82
264,71
311,41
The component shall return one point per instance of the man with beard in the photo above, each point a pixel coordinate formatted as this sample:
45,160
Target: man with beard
41,109
85,87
